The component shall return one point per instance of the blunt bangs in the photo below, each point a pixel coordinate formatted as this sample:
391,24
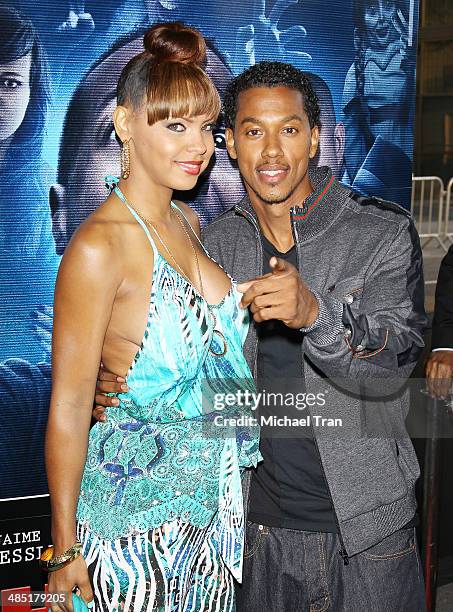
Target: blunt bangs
180,90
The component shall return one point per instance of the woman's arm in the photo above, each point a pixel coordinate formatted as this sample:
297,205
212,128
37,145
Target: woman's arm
86,287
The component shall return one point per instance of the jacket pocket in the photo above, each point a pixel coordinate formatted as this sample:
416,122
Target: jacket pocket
349,290
363,474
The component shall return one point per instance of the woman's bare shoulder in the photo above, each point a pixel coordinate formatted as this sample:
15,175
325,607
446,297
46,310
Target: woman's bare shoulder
96,233
191,216
94,244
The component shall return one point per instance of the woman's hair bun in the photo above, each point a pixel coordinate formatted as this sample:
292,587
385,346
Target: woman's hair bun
175,42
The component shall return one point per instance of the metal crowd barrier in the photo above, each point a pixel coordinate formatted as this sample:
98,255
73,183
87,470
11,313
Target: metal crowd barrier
427,208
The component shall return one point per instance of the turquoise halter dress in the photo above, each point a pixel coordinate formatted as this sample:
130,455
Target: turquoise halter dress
162,454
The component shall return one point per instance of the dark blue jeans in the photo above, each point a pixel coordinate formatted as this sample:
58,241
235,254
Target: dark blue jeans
302,571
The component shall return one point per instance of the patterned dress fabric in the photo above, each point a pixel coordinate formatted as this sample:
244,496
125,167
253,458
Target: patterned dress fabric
160,510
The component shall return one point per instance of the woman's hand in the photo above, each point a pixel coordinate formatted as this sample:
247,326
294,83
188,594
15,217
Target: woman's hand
64,580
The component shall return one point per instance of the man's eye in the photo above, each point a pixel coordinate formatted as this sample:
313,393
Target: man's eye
290,130
176,127
253,132
10,83
219,139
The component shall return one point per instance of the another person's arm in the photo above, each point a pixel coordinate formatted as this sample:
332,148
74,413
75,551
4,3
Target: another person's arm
107,382
381,338
439,367
85,290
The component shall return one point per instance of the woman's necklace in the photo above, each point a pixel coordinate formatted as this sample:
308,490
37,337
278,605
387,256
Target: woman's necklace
167,250
149,223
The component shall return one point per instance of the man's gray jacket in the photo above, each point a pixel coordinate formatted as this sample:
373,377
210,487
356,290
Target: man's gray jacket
361,258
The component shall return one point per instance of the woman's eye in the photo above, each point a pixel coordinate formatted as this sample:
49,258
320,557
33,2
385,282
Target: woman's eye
219,139
176,127
209,127
10,83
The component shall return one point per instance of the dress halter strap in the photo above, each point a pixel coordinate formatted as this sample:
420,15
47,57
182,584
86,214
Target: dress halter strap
120,194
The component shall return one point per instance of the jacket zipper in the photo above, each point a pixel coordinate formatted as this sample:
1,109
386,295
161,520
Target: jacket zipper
250,218
343,553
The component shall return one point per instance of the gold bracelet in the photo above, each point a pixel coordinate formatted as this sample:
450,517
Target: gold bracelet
49,563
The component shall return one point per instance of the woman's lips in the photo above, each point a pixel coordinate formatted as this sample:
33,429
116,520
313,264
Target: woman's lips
190,167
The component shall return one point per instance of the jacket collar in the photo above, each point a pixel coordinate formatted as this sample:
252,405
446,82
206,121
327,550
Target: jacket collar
318,211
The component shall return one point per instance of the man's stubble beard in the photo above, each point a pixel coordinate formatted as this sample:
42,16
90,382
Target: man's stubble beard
278,198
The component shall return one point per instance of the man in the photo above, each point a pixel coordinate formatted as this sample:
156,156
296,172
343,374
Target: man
335,287
439,367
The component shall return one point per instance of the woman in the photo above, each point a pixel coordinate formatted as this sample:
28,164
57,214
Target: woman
27,250
159,515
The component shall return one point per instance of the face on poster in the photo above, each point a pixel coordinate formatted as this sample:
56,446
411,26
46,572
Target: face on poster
59,65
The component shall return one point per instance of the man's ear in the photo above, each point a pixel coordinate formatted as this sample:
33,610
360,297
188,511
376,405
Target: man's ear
57,195
314,141
340,136
229,139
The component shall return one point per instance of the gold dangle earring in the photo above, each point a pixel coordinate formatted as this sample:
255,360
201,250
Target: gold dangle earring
125,160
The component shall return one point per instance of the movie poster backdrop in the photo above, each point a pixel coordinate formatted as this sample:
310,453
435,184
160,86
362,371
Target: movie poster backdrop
59,65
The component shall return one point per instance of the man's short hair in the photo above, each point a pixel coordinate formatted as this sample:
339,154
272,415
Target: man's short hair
271,74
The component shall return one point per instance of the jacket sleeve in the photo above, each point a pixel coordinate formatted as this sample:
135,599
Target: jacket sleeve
443,310
382,337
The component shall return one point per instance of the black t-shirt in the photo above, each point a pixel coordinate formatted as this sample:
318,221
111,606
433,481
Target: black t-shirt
288,488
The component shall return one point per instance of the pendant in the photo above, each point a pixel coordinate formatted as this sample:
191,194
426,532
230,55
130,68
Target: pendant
220,335
225,345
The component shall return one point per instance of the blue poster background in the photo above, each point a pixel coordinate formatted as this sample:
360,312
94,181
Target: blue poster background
57,144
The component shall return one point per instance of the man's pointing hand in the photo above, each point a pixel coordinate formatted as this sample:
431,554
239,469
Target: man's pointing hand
280,295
